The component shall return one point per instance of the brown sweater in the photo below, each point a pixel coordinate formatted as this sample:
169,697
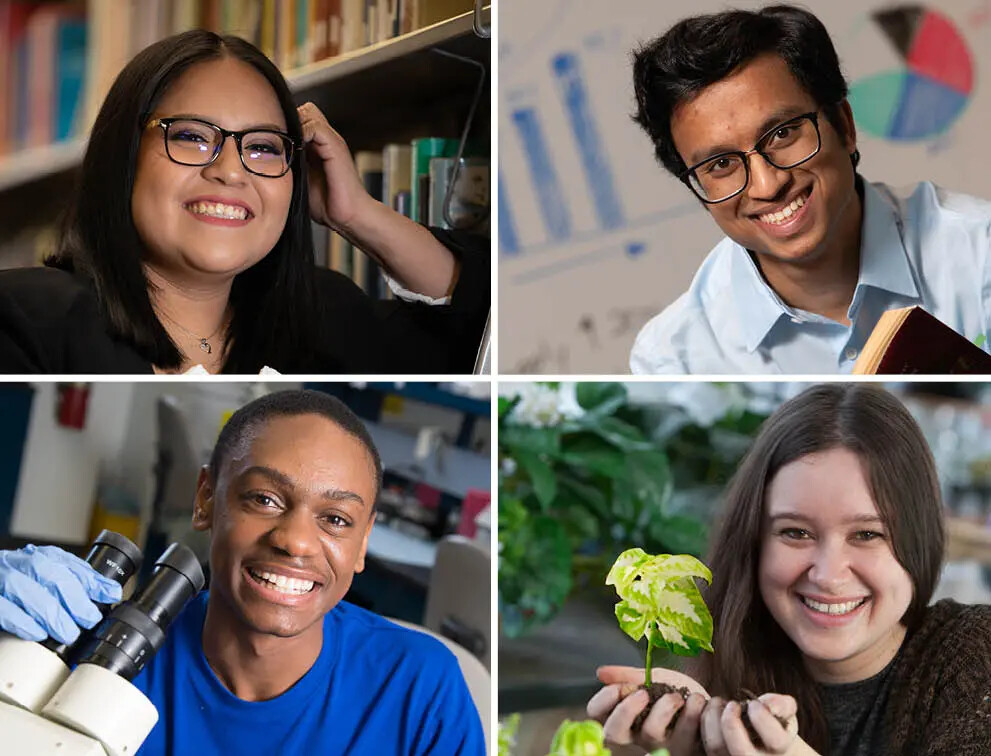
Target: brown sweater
940,703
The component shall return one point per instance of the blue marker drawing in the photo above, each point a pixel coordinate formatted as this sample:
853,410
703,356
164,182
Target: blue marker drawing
573,92
509,242
556,217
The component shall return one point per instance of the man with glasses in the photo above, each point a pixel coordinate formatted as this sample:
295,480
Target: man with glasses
749,110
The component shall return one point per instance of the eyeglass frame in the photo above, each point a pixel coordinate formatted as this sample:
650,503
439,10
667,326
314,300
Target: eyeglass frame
744,156
166,123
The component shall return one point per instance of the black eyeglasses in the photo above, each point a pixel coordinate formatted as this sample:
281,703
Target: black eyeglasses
723,176
191,141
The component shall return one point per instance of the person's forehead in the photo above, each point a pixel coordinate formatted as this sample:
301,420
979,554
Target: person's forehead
828,485
734,109
302,444
225,91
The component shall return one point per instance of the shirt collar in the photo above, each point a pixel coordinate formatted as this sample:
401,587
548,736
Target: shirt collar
883,265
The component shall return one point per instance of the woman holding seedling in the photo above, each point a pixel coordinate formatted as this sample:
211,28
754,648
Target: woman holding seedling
823,568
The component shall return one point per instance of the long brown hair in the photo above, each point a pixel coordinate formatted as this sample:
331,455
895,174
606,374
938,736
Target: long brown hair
751,649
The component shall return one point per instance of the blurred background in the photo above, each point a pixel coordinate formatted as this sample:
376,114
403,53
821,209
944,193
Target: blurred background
76,458
586,211
588,470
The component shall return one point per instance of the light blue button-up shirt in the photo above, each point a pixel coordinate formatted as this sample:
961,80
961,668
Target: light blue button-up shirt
930,248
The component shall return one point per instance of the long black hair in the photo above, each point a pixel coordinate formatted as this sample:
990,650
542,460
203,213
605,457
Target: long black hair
274,303
702,50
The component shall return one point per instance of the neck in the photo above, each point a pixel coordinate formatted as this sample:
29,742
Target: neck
861,666
256,666
825,283
191,312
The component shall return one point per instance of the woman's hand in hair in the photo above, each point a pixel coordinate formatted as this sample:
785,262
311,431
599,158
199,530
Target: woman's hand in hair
617,705
724,734
407,251
336,192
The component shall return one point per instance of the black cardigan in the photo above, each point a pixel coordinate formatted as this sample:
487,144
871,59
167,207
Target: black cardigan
50,322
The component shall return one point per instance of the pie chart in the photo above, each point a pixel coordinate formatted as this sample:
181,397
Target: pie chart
929,84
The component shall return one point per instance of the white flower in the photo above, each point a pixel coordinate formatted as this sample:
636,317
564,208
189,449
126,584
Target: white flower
541,406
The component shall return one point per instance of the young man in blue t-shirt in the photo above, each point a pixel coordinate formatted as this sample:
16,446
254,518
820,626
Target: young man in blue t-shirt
271,660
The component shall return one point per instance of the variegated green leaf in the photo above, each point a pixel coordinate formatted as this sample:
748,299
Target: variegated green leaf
660,599
625,568
631,621
666,567
579,739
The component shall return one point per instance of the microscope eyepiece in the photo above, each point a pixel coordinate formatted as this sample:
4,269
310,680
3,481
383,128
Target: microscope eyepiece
130,635
114,557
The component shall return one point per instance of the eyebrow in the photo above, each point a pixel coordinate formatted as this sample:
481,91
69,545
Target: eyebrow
331,494
775,118
252,127
856,519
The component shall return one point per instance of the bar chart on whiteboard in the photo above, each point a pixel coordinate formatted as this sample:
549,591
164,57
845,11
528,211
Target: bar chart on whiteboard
595,237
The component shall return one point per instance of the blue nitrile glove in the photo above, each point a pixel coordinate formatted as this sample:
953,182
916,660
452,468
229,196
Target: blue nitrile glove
47,591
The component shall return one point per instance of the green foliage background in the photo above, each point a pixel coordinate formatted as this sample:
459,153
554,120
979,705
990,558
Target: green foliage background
574,495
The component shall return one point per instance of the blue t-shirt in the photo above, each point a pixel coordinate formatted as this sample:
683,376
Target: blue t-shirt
376,688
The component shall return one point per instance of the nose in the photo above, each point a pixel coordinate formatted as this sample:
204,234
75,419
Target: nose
228,167
296,534
830,569
766,181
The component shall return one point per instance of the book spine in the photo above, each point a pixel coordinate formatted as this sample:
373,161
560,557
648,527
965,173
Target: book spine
422,150
70,76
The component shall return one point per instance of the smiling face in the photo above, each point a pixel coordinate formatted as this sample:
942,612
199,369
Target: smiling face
290,517
733,114
827,573
174,207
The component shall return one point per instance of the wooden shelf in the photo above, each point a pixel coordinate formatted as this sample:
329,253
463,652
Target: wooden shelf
39,162
389,91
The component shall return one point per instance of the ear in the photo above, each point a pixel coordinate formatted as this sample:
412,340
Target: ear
849,135
359,564
203,503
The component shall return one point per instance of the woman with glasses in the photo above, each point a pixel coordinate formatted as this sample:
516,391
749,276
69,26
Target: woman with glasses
189,242
828,551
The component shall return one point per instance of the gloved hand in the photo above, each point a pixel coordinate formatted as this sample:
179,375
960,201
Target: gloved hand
47,591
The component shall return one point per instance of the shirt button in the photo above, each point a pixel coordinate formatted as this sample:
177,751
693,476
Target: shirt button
851,354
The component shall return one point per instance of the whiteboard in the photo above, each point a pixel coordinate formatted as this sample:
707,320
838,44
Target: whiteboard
594,236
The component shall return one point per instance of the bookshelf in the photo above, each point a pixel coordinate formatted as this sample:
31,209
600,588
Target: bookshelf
396,77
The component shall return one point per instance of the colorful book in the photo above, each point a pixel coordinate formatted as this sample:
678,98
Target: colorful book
422,150
910,340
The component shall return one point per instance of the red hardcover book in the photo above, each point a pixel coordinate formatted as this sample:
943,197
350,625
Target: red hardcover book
910,340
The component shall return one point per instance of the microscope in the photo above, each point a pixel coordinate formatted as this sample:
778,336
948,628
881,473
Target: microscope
77,700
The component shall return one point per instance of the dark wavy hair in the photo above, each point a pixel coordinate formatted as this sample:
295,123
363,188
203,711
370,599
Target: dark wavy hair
244,424
752,651
98,238
699,51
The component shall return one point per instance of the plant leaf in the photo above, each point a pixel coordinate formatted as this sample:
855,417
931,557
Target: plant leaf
541,476
631,621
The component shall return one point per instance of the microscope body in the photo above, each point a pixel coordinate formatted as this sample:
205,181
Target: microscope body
49,708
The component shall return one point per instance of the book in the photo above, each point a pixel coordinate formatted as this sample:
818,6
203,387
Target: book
395,172
910,340
422,150
428,12
364,270
469,207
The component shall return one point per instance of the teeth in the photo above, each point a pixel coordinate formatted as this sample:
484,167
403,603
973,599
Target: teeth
781,215
218,210
843,608
283,584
